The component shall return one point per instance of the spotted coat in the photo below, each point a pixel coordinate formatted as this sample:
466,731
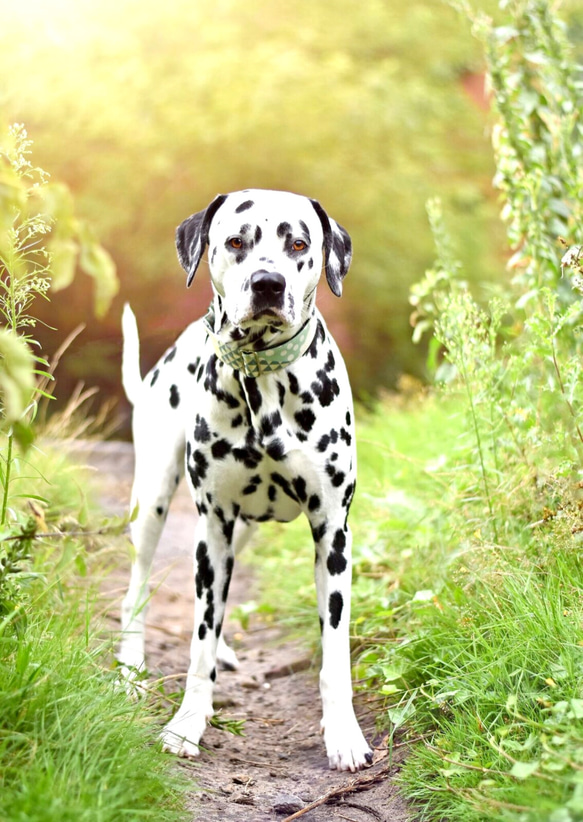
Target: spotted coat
254,448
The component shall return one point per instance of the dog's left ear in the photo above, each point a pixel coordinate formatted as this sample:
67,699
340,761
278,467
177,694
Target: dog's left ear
192,237
337,249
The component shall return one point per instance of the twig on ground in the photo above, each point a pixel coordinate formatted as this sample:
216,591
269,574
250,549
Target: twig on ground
359,783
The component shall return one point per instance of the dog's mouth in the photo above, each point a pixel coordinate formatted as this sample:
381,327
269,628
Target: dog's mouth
267,312
264,317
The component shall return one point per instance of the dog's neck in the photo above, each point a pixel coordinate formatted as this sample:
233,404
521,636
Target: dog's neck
263,351
257,337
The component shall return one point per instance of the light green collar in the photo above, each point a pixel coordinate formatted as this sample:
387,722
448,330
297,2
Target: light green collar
267,360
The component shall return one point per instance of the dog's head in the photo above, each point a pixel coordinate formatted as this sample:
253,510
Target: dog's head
266,252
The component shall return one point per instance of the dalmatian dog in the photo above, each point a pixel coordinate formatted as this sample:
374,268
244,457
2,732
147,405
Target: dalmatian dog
254,403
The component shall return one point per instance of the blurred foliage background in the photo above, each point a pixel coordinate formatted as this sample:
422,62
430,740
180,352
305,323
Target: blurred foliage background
147,110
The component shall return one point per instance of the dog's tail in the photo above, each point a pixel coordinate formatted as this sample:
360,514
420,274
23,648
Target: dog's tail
130,362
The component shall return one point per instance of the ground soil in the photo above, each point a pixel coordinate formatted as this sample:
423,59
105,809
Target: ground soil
279,767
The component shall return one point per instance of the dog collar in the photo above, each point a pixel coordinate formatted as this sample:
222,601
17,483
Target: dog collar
267,360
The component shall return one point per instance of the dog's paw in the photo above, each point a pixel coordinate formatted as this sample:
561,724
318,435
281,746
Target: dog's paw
226,656
346,746
132,680
182,734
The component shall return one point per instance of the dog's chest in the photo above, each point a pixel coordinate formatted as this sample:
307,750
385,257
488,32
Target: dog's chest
268,447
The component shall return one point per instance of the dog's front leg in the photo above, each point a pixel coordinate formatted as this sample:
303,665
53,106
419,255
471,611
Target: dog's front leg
346,746
213,561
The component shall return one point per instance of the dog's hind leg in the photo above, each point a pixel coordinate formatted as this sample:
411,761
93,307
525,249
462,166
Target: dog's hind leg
159,468
159,457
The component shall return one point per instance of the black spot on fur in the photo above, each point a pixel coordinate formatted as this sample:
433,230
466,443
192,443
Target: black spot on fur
305,418
348,496
211,384
160,511
237,421
348,418
201,430
229,564
281,392
192,367
254,483
319,531
244,206
228,530
335,606
299,485
205,575
154,377
270,423
345,436
249,456
325,388
258,235
253,393
276,450
202,630
336,477
283,229
307,397
198,470
170,355
294,385
301,265
323,443
321,621
272,493
209,614
314,503
284,485
330,363
336,563
174,396
339,541
310,263
318,336
220,449
213,674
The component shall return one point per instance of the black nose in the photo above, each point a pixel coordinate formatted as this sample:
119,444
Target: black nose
269,285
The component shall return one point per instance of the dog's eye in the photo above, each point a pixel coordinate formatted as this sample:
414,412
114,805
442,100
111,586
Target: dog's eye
299,245
235,242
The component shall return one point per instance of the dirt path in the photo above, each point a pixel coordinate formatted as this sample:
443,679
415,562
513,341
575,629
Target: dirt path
279,767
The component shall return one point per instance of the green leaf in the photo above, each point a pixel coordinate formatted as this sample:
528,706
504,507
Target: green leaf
98,263
16,374
63,262
400,715
522,770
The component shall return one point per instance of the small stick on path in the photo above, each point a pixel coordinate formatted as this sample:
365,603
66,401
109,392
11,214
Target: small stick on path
359,783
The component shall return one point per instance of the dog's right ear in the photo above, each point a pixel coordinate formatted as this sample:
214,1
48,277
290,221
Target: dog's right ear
192,237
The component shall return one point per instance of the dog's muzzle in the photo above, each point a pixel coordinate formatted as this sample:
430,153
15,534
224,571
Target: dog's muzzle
268,289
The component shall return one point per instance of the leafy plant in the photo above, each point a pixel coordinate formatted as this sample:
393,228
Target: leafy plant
40,239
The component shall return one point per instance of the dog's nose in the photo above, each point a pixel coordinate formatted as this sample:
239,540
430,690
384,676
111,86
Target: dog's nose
267,284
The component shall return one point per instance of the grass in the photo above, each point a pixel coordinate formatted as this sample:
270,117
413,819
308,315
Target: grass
72,746
474,645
